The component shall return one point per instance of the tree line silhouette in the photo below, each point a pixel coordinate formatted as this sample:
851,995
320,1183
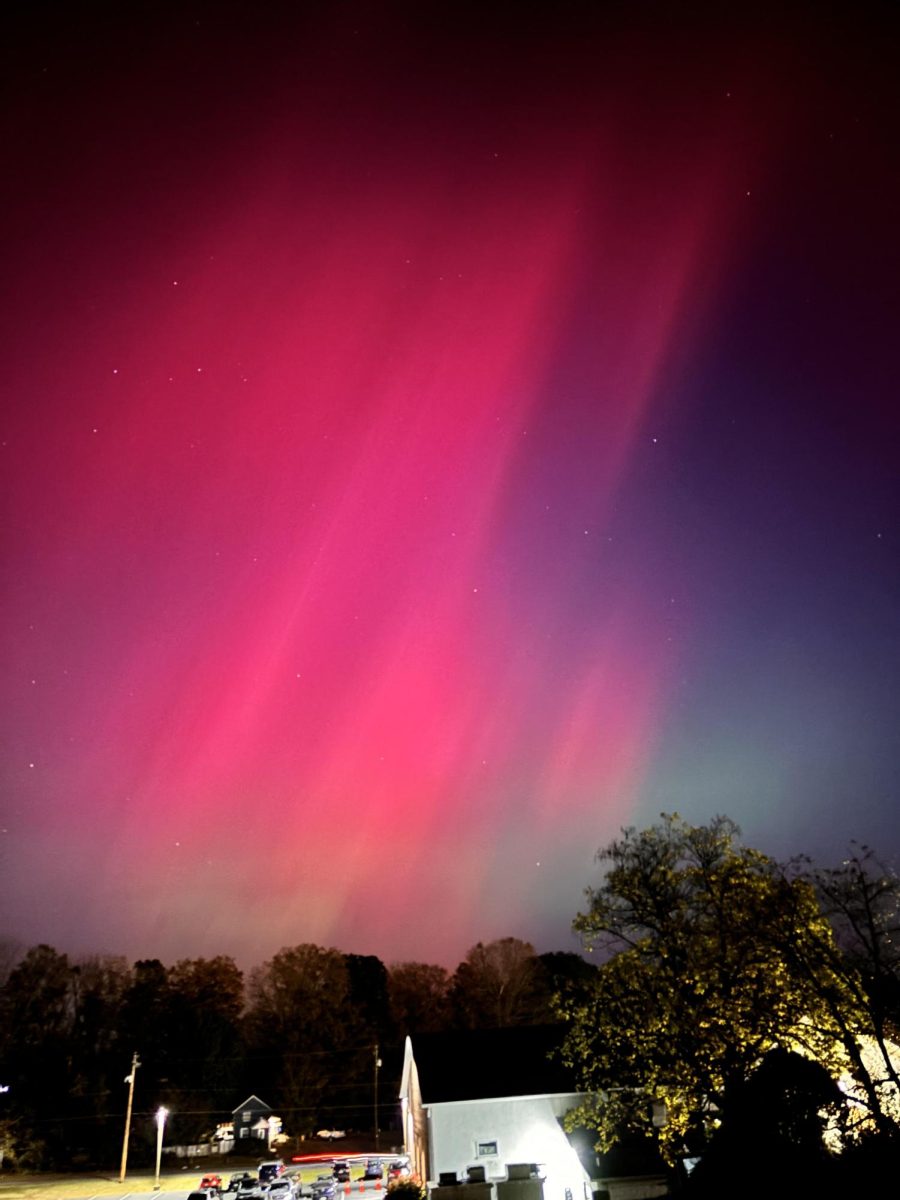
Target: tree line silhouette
718,976
299,1031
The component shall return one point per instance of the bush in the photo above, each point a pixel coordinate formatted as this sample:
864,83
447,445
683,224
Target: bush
410,1188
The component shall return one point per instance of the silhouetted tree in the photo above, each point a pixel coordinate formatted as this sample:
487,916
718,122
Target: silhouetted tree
303,1035
368,981
771,1138
204,1001
419,994
99,1060
145,1026
562,968
36,1027
500,983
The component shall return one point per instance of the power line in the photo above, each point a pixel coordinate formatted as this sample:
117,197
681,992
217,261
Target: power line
150,1114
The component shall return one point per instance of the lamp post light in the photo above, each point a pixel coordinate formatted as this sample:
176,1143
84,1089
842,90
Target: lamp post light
161,1114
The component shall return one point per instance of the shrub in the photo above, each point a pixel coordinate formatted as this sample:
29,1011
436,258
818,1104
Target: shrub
410,1188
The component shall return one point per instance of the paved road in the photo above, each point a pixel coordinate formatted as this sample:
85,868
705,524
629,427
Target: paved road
35,1187
141,1196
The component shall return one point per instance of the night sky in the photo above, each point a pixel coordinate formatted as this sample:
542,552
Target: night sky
435,436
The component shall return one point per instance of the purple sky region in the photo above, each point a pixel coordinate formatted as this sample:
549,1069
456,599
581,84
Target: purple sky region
436,436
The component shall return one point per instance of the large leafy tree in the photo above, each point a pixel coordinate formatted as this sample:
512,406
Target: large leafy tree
203,1003
696,984
144,1023
60,1025
500,983
368,980
100,984
98,1059
418,997
37,1017
304,1037
782,1108
861,899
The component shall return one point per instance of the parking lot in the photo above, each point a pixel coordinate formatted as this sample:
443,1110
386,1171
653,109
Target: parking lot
177,1184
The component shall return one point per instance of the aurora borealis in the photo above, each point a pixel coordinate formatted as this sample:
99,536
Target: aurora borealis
433,439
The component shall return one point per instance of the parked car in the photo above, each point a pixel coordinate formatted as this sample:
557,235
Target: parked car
398,1169
270,1170
324,1188
341,1170
211,1183
205,1194
282,1187
235,1180
374,1169
248,1187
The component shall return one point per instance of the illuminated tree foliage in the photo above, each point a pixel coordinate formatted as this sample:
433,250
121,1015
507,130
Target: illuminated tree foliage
861,899
697,983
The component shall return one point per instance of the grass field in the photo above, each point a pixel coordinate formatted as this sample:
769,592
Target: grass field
61,1187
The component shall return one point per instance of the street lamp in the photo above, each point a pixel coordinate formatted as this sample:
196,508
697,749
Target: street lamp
161,1114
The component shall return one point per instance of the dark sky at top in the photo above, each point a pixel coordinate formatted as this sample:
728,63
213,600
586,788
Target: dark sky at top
436,436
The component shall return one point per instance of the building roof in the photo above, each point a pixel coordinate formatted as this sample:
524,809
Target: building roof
482,1064
253,1103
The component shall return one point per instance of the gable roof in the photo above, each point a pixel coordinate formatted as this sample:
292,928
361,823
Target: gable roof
253,1103
482,1064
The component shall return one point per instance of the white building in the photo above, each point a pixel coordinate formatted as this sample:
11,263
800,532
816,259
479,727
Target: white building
490,1098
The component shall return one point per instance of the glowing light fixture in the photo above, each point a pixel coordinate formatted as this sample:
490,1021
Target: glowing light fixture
161,1114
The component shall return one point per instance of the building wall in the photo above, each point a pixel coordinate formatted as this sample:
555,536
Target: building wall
492,1133
415,1121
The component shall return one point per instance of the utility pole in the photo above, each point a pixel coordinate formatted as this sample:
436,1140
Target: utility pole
375,1106
129,1079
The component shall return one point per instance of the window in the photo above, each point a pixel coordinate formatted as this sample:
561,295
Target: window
486,1149
246,1115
